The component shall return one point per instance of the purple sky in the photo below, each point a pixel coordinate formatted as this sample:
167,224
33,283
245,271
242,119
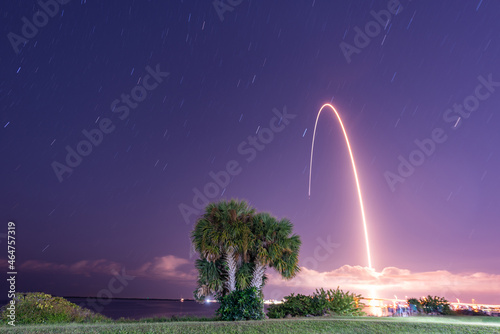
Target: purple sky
430,72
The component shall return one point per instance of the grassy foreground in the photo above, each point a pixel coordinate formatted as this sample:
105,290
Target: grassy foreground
452,324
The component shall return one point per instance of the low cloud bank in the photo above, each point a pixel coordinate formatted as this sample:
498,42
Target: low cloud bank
167,267
391,281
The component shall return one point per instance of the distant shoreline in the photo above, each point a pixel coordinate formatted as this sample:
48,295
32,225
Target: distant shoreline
161,299
6,301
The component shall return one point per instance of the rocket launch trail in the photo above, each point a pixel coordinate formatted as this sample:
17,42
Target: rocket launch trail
327,105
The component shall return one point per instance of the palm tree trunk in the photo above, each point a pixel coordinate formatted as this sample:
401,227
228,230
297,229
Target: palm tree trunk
232,268
258,275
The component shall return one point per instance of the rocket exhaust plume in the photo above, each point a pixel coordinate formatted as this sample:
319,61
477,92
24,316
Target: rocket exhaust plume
354,171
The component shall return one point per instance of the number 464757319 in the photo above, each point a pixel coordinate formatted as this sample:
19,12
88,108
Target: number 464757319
11,241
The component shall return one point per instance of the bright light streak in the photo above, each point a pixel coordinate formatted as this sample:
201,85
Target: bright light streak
374,304
353,168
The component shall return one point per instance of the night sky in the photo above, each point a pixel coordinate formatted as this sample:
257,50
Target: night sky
117,115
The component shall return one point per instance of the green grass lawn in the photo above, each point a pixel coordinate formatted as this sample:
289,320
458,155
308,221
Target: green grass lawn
421,324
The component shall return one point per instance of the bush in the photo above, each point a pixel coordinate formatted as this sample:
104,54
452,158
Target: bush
294,305
241,305
471,312
415,304
320,303
435,305
41,308
276,311
342,303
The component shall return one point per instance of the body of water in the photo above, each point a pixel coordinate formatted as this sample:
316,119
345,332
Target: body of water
145,308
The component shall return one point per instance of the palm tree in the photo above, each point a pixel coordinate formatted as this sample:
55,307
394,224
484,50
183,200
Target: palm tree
236,247
274,246
223,233
244,275
211,279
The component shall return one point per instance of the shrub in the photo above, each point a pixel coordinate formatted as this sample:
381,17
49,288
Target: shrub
435,305
294,305
471,312
276,311
244,304
342,303
41,308
320,303
415,304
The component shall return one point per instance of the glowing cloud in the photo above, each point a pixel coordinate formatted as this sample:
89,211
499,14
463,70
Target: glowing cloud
391,280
